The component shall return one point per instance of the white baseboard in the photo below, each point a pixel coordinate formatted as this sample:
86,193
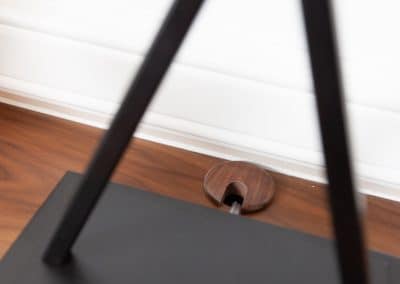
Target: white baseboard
155,128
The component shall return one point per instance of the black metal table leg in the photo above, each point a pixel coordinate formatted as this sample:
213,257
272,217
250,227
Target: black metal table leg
115,141
329,95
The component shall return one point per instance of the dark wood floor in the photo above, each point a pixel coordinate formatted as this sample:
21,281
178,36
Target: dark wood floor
36,150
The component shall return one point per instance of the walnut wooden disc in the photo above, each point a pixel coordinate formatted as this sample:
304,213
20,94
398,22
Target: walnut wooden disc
247,180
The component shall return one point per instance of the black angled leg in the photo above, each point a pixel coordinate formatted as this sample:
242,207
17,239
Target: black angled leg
115,141
328,87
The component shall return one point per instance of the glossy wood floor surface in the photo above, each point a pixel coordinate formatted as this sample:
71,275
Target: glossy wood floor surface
36,150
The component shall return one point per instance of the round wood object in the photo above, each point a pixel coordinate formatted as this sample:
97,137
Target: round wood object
249,181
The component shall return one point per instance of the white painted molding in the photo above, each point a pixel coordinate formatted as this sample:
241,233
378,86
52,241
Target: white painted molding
162,129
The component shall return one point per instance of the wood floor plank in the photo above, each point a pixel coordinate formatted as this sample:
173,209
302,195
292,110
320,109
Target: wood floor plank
36,150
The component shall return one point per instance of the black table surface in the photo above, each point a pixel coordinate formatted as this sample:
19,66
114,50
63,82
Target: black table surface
135,236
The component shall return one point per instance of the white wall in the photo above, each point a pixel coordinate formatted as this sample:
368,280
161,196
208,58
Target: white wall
240,87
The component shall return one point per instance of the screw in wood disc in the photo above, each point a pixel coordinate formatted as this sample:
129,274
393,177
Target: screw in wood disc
240,180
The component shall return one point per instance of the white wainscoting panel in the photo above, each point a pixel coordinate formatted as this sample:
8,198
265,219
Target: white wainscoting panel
239,89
